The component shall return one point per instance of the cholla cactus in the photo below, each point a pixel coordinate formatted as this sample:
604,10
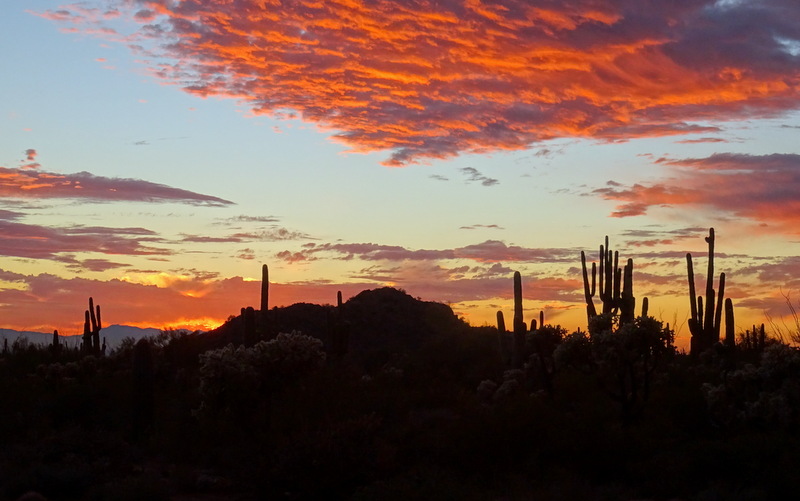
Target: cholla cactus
227,379
764,394
289,354
233,379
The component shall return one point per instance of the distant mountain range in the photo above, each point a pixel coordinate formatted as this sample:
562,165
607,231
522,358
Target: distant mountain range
113,334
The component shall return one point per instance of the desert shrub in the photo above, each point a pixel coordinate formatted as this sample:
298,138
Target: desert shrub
766,394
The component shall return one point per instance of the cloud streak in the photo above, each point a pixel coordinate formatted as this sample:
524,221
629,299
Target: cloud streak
42,242
39,184
761,188
490,251
474,176
425,80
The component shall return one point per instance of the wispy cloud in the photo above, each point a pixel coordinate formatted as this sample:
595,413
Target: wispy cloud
434,79
248,219
651,236
27,183
34,241
760,188
490,251
703,140
79,265
482,226
474,176
274,234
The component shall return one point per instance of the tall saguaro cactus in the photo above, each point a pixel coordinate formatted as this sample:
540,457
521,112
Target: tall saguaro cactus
518,357
706,319
730,334
91,329
340,328
503,339
56,345
264,315
615,285
94,315
264,289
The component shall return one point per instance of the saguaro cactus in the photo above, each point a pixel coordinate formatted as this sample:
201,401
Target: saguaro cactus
503,339
264,317
730,334
248,333
94,316
501,322
518,356
615,285
705,320
92,324
340,330
264,289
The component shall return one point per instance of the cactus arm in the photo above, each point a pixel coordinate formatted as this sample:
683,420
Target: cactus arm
587,292
718,312
730,334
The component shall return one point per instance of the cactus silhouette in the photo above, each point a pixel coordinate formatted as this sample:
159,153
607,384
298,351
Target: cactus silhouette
264,289
730,334
705,320
615,285
518,353
339,328
91,329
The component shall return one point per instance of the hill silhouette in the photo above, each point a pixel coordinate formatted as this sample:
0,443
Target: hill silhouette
390,319
384,320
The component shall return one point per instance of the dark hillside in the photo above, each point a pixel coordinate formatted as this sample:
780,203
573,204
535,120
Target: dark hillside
384,320
390,319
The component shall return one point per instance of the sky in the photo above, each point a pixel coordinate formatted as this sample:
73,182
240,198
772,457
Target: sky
155,153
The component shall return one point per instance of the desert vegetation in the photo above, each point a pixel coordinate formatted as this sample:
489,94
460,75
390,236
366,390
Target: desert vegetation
384,396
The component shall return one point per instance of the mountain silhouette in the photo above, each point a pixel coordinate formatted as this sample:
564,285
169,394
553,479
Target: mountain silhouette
385,319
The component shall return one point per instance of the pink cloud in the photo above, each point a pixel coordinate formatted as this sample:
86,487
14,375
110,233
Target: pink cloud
33,241
489,251
426,80
19,183
761,188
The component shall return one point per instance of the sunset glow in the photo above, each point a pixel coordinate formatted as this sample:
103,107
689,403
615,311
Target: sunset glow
156,152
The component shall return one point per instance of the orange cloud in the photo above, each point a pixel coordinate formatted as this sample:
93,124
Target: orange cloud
426,79
172,303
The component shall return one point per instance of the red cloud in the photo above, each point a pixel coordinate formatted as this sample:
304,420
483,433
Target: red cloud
428,79
762,188
18,183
